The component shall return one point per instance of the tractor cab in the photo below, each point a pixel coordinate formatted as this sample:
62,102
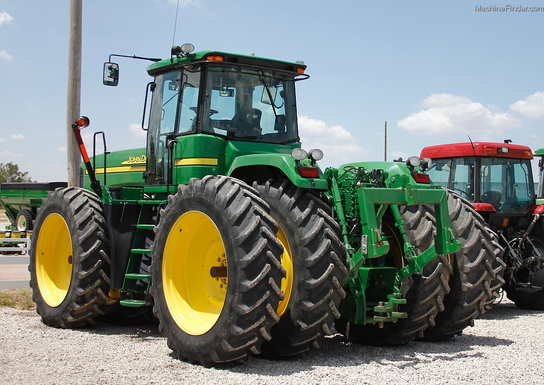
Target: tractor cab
210,108
496,177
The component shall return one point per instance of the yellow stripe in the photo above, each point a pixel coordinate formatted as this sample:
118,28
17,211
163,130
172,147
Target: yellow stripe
196,162
111,170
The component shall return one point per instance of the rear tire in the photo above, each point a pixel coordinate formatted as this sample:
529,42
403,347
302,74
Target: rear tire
424,293
477,272
216,271
314,261
69,266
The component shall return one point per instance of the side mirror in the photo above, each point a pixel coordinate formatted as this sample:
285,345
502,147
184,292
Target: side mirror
111,74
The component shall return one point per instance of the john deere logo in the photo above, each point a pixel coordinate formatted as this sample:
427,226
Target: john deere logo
135,160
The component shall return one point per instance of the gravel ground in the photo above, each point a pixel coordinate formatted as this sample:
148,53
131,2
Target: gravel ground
504,347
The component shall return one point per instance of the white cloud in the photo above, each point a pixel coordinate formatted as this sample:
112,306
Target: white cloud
335,141
454,114
5,18
62,150
5,55
136,130
9,154
17,136
2,140
318,128
532,106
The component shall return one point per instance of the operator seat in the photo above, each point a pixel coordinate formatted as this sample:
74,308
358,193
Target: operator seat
247,121
493,197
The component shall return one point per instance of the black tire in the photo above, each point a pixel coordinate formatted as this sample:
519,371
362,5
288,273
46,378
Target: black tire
314,261
216,271
23,221
523,297
424,293
477,272
69,263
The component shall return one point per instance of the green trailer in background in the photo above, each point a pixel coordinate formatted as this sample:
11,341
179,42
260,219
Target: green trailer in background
21,201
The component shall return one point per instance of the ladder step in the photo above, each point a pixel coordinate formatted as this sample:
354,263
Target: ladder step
150,202
140,251
137,276
133,302
145,227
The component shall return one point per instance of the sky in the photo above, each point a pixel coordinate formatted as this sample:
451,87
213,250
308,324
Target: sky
436,71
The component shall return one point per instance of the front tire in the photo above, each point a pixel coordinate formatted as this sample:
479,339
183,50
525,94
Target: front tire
216,271
69,266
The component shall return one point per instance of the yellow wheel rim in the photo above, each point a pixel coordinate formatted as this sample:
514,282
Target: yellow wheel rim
194,251
287,263
54,260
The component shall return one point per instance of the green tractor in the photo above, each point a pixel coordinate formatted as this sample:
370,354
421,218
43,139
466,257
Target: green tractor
236,239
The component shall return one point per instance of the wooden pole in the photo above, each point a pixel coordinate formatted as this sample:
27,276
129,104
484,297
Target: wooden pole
74,90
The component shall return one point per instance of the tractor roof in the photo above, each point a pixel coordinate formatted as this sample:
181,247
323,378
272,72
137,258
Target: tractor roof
166,65
485,149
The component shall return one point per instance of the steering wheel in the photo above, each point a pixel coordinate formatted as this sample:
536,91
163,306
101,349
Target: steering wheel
461,192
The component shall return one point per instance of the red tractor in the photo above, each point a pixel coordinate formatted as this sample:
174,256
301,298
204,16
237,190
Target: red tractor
497,178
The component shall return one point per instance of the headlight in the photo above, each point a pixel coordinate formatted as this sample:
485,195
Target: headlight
316,154
413,161
299,154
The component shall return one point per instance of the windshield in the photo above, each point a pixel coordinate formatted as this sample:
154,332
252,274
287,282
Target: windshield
505,183
248,104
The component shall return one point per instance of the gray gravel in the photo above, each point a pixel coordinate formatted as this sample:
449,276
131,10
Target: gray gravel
504,347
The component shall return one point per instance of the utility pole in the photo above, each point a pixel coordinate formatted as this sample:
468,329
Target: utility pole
74,90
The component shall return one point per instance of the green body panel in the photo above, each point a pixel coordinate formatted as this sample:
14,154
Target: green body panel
198,155
123,168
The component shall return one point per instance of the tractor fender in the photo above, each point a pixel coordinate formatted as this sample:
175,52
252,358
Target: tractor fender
251,166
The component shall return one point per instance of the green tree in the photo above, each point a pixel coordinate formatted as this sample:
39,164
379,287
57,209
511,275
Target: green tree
10,172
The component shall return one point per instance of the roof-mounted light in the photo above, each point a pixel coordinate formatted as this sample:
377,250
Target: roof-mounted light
182,50
215,58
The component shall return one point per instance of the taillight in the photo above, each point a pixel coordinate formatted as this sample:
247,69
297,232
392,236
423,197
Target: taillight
421,178
538,209
308,172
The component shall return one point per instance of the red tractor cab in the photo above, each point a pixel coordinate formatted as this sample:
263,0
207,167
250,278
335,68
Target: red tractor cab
497,178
